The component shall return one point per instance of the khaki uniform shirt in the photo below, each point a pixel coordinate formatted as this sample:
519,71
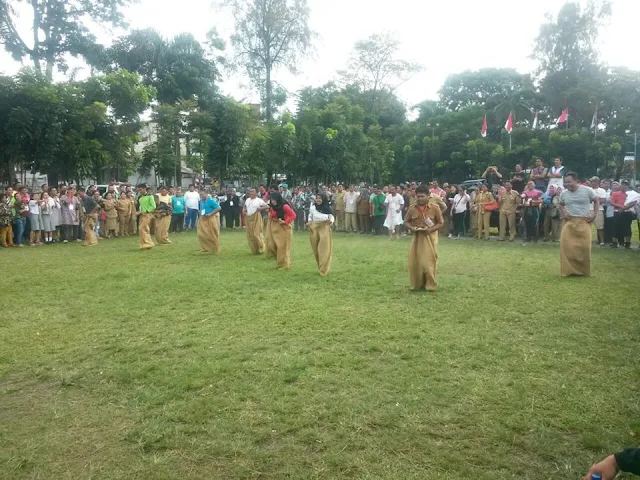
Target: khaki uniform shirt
509,202
416,218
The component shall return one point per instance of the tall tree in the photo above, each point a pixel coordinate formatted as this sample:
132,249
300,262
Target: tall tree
269,34
58,29
566,50
374,65
568,42
232,122
179,68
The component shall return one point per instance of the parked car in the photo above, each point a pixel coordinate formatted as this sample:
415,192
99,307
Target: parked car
103,189
472,185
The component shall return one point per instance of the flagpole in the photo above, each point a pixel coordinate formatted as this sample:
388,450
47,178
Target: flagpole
509,141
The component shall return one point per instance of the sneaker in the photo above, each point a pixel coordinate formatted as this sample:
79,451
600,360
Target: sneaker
65,241
450,236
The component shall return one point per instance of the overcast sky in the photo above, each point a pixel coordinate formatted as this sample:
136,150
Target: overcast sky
445,36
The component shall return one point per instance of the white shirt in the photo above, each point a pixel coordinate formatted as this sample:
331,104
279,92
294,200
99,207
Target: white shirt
34,207
253,204
315,216
192,200
460,203
632,196
601,193
394,202
350,202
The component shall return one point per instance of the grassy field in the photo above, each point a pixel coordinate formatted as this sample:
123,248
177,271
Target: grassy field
170,364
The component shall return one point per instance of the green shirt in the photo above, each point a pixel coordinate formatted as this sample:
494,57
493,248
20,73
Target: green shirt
147,204
378,205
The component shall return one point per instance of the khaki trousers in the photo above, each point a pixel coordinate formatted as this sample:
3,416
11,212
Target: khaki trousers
507,219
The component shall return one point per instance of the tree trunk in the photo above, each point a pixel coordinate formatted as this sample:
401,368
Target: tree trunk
268,93
52,178
178,160
35,56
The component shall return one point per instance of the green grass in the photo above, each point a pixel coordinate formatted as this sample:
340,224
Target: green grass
117,363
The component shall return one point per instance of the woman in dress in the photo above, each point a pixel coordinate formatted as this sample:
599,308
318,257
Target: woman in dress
394,204
69,215
279,232
320,220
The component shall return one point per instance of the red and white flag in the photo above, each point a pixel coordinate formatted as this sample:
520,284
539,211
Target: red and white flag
483,132
564,116
535,121
509,125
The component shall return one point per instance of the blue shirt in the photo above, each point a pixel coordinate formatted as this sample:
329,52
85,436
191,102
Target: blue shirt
178,204
207,206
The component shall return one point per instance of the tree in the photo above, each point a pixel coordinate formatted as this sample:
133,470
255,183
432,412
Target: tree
374,65
568,42
269,34
568,58
230,128
179,68
59,28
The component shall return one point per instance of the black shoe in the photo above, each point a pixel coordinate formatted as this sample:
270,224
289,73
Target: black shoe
627,245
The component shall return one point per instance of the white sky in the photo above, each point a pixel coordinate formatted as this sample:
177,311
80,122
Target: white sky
445,36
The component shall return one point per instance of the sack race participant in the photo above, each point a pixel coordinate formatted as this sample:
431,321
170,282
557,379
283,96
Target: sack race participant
123,207
91,209
110,207
320,220
424,220
209,224
253,208
163,217
147,206
279,231
575,239
132,218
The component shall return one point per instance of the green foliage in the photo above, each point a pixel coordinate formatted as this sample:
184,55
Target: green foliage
59,28
177,68
70,130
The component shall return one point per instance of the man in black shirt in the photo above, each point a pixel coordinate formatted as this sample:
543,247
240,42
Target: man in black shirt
493,176
518,179
231,209
628,460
